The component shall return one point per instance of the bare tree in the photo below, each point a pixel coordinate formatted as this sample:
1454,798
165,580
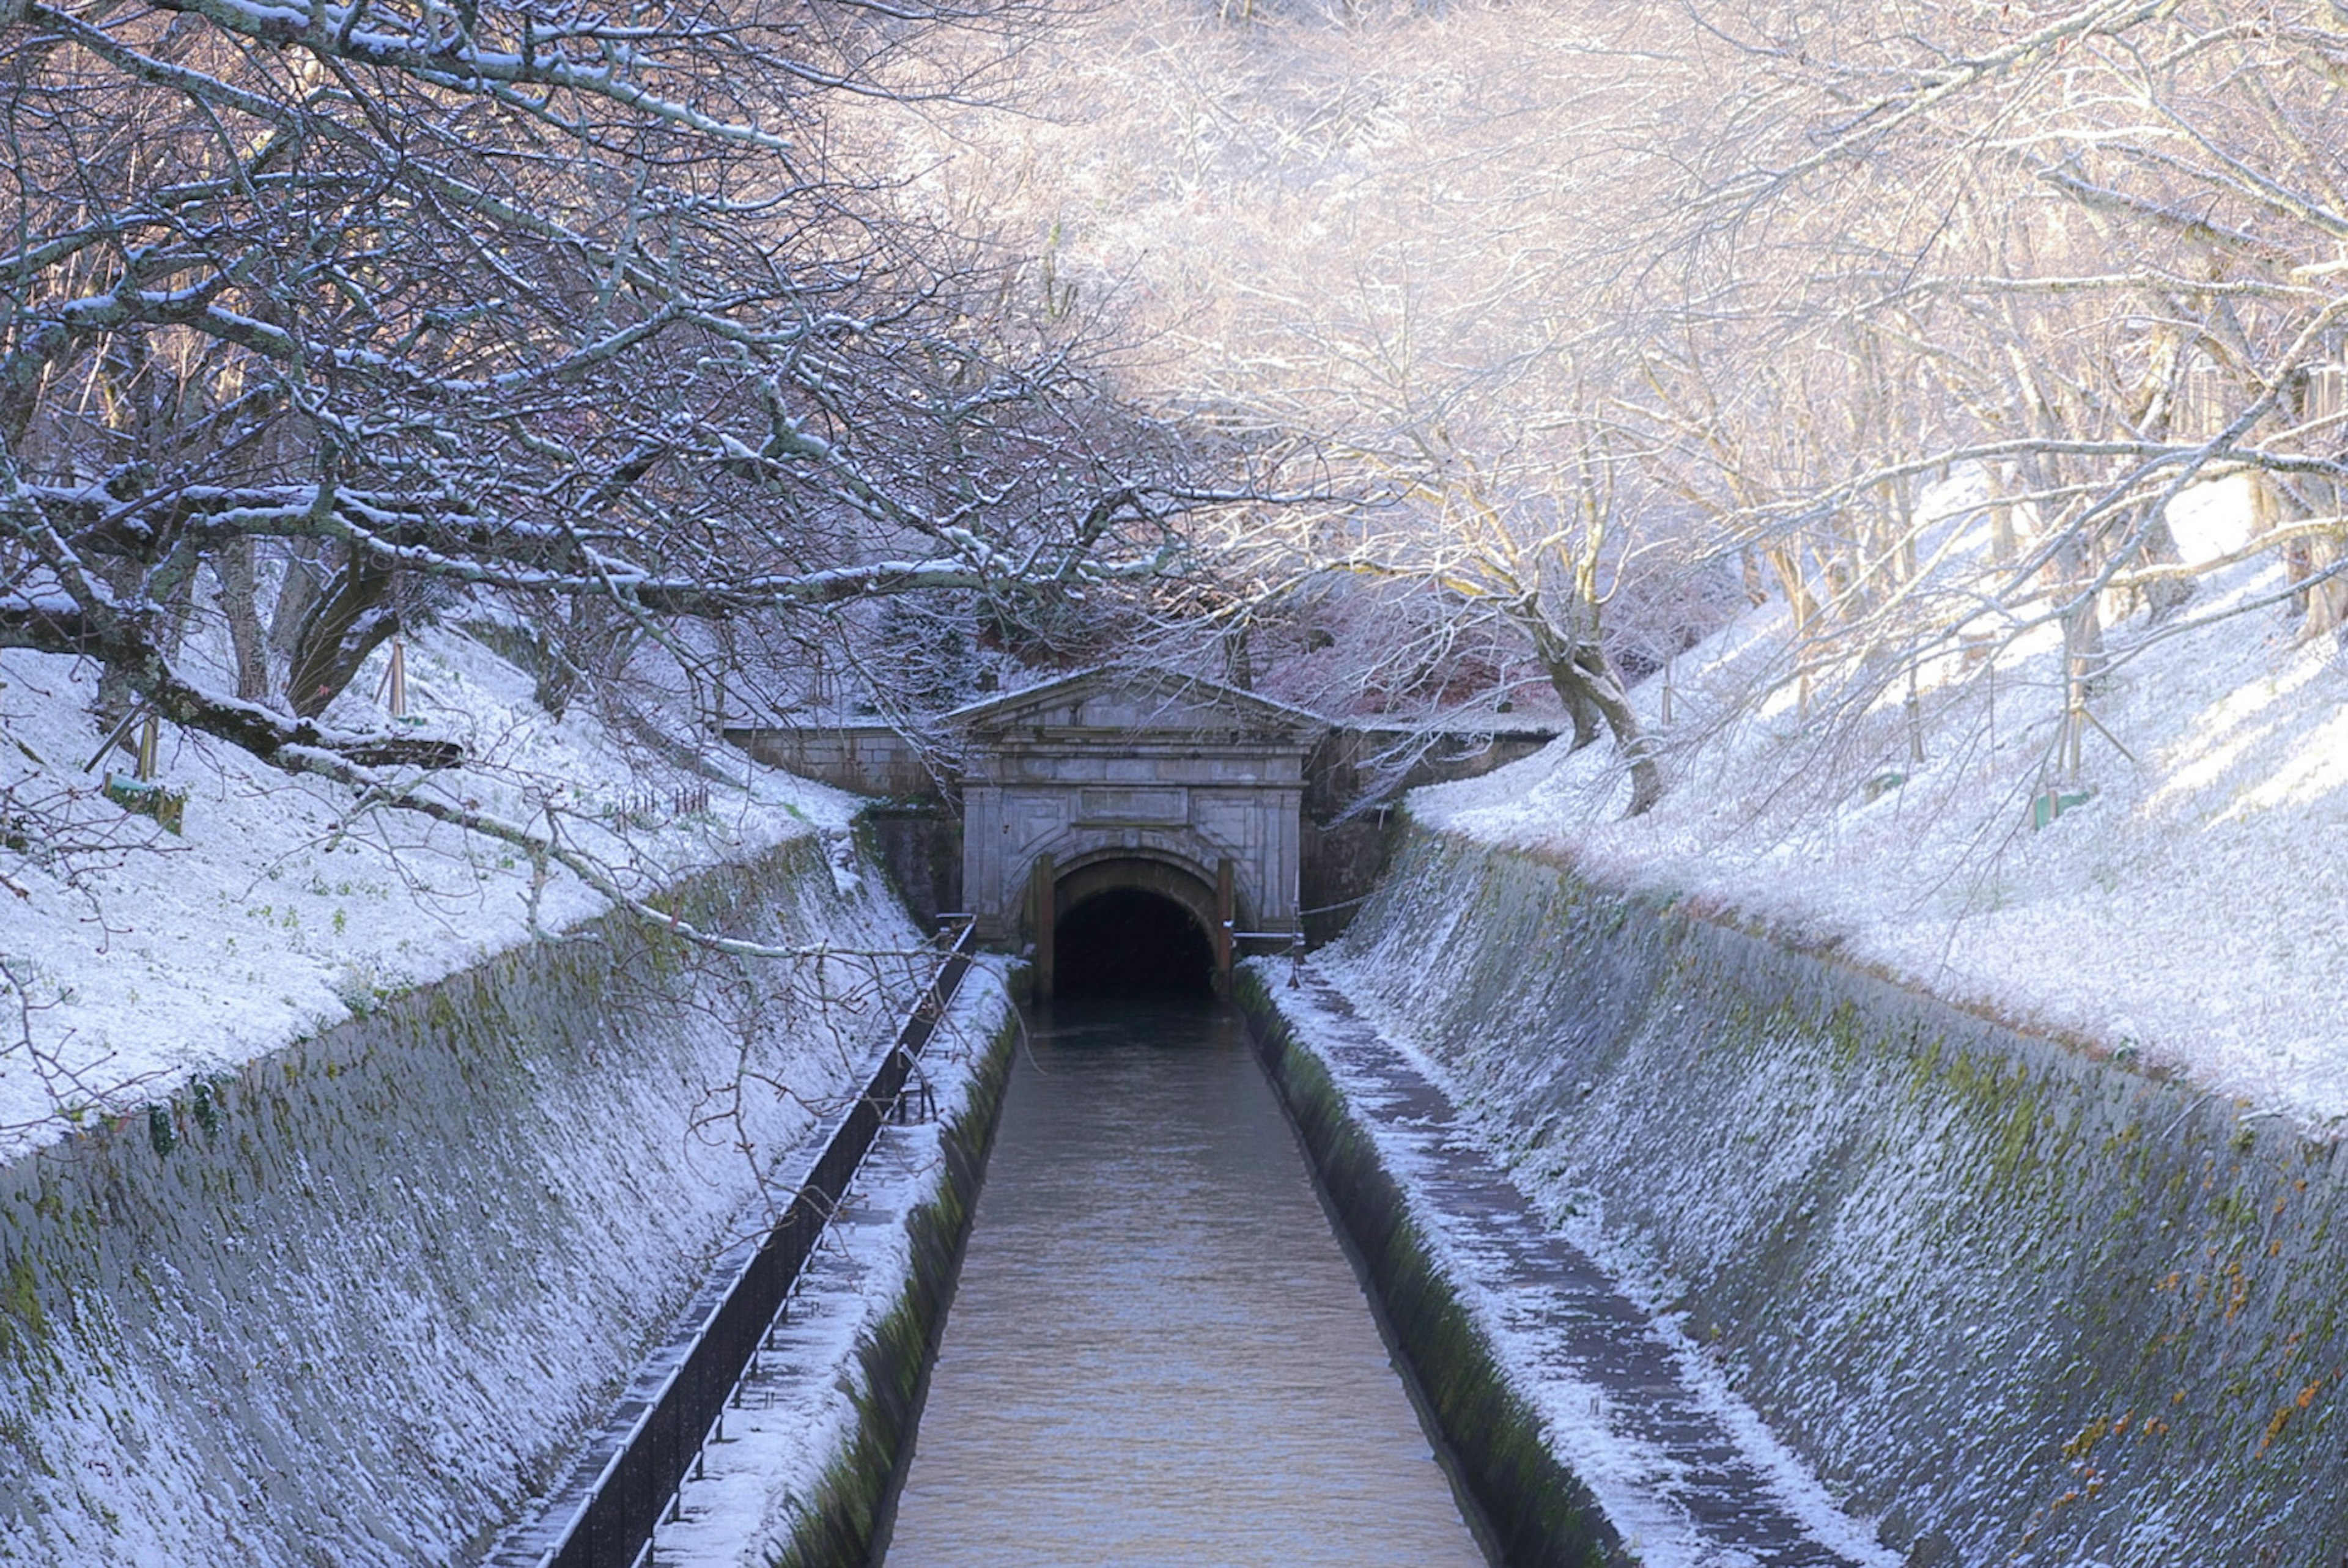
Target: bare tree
329,321
1815,268
2100,243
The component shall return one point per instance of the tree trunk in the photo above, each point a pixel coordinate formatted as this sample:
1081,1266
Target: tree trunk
2324,600
594,641
1239,666
296,594
116,688
1567,683
1555,651
344,625
2327,598
233,567
1608,693
1593,692
2165,596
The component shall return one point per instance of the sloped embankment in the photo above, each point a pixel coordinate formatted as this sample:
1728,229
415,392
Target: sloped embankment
1577,1426
2023,1304
354,1302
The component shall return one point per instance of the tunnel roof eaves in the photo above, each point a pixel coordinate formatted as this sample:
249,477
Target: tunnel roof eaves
1300,724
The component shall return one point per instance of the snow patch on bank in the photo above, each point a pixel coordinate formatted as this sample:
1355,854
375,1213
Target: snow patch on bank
143,958
2192,913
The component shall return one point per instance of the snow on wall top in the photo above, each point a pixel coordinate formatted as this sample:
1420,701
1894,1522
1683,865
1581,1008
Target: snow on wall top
1129,697
134,959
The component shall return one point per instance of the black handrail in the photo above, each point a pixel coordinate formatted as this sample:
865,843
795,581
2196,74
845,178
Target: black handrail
612,1523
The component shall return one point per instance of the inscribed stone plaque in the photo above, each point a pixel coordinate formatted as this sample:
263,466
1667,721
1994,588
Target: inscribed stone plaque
1132,804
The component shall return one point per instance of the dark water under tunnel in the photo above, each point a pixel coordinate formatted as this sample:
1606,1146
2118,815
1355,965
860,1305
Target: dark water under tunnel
1160,1353
1129,942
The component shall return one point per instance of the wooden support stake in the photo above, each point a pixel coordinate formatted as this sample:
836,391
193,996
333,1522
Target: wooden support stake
1915,711
1989,684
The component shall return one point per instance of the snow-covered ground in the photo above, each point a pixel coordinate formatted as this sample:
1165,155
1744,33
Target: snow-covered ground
139,957
2192,914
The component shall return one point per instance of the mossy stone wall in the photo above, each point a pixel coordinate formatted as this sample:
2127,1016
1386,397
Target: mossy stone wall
354,1301
2025,1303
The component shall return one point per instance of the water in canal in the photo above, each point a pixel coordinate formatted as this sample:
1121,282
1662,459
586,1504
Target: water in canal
1158,1354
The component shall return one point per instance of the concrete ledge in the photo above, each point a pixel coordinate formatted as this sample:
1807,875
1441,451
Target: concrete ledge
1542,1516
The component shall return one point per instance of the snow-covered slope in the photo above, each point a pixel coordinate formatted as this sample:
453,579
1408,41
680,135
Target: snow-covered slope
371,1288
422,1149
139,956
2193,913
2022,1307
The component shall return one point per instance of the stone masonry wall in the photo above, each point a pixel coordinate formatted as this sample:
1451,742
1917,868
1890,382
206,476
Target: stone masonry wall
353,1302
2024,1304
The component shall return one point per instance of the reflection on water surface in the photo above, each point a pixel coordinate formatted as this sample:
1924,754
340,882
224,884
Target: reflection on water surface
1158,1354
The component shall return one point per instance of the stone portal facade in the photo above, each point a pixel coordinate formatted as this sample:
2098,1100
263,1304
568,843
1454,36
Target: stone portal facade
1136,778
1129,777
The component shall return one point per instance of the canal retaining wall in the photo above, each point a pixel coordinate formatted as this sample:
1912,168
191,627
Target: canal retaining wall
2015,1300
1538,1514
809,1444
354,1301
928,1191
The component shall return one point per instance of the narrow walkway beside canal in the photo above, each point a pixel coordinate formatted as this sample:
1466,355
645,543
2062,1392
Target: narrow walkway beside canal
1683,1472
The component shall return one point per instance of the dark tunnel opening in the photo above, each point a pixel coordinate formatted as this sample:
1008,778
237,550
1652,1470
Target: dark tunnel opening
1126,941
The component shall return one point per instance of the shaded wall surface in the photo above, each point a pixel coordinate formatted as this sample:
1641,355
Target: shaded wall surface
354,1301
2025,1304
919,843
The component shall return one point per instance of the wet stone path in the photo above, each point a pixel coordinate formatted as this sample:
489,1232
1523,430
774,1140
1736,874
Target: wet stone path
1687,1475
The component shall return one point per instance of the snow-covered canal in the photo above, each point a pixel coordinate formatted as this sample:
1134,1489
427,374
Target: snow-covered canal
1158,1353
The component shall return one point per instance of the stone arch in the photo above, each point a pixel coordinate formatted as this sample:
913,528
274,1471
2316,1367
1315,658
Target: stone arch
1177,880
1168,879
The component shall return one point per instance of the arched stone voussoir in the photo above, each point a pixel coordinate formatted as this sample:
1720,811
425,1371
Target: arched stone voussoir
1177,881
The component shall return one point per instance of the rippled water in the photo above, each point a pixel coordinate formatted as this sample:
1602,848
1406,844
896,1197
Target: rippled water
1158,1354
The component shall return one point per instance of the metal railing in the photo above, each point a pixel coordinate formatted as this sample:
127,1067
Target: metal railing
612,1523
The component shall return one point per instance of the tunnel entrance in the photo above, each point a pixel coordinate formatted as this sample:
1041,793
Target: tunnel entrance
1125,942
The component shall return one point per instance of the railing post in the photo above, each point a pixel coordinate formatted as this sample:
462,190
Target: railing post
1226,920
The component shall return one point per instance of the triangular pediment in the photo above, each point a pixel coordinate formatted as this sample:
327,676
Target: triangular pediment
1137,700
